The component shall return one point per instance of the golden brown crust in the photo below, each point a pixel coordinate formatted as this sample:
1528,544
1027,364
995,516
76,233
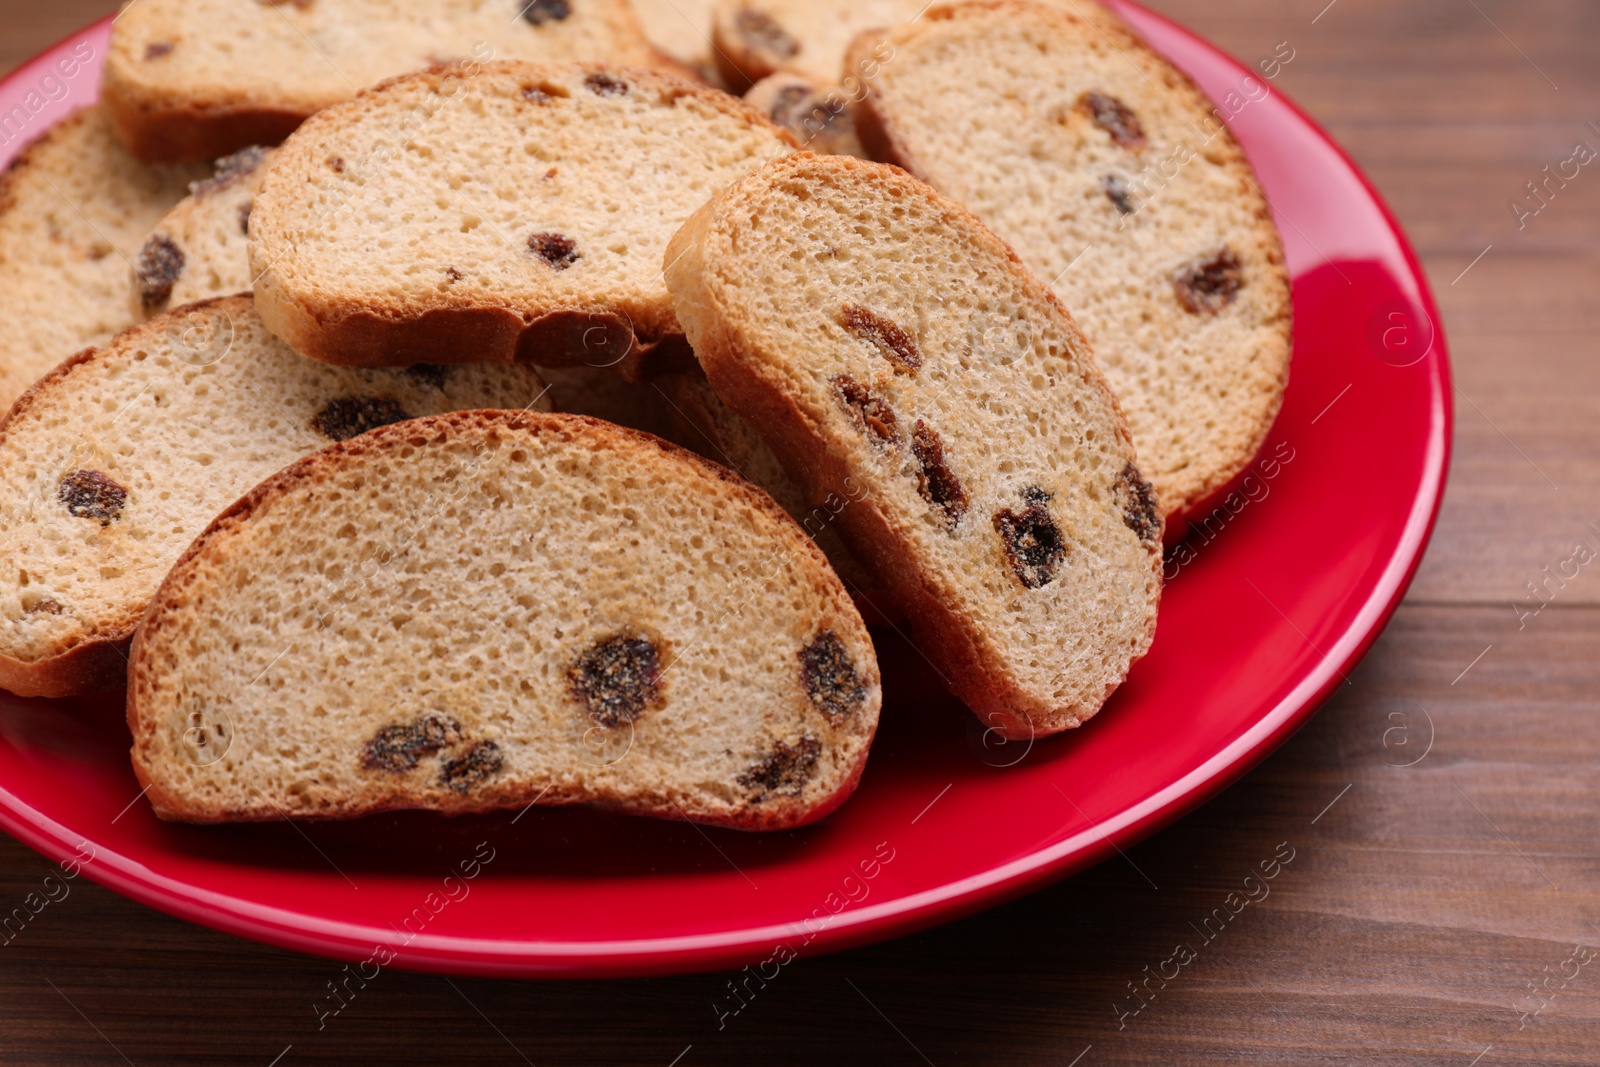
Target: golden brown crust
188,133
885,142
178,588
444,329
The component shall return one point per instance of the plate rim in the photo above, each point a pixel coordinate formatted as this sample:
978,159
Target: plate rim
457,955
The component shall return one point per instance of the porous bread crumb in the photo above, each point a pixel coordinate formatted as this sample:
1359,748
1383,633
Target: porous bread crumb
484,610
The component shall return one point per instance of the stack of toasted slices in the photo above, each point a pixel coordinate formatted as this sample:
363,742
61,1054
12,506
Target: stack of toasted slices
350,552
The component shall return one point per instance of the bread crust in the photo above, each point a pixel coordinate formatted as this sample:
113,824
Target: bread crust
182,584
964,653
448,329
1197,487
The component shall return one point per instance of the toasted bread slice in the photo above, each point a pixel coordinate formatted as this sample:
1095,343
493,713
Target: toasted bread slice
116,461
565,612
822,118
73,209
197,79
1116,182
200,249
525,220
893,352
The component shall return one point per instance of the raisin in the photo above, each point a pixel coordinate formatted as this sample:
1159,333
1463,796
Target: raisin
617,680
244,218
91,495
397,749
790,102
764,33
1119,193
1032,540
895,344
873,413
453,274
157,49
480,762
352,416
160,264
1114,117
337,164
936,482
230,169
830,677
1137,497
1209,285
785,771
47,606
542,11
605,85
558,251
430,374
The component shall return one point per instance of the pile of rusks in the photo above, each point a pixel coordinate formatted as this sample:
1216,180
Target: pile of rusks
360,478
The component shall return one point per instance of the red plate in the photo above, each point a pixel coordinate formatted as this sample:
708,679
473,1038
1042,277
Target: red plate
1273,600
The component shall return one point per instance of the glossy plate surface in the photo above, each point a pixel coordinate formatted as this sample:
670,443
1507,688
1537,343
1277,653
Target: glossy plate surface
1270,603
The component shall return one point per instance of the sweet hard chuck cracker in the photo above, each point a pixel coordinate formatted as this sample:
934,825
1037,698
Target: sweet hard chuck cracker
487,610
878,336
1118,184
524,219
198,79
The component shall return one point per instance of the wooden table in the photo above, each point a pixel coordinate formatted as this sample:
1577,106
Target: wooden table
1426,904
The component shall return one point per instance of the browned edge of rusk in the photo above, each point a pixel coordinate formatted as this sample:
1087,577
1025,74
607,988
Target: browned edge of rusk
174,592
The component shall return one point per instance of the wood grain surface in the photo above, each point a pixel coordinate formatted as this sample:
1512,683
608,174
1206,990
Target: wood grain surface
1425,905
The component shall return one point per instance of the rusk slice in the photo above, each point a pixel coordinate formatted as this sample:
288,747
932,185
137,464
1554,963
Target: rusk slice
489,610
893,352
73,209
200,249
112,465
1116,181
525,220
197,79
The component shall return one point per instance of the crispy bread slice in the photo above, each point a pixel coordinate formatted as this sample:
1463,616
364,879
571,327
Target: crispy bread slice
198,79
489,610
1116,181
893,352
521,214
